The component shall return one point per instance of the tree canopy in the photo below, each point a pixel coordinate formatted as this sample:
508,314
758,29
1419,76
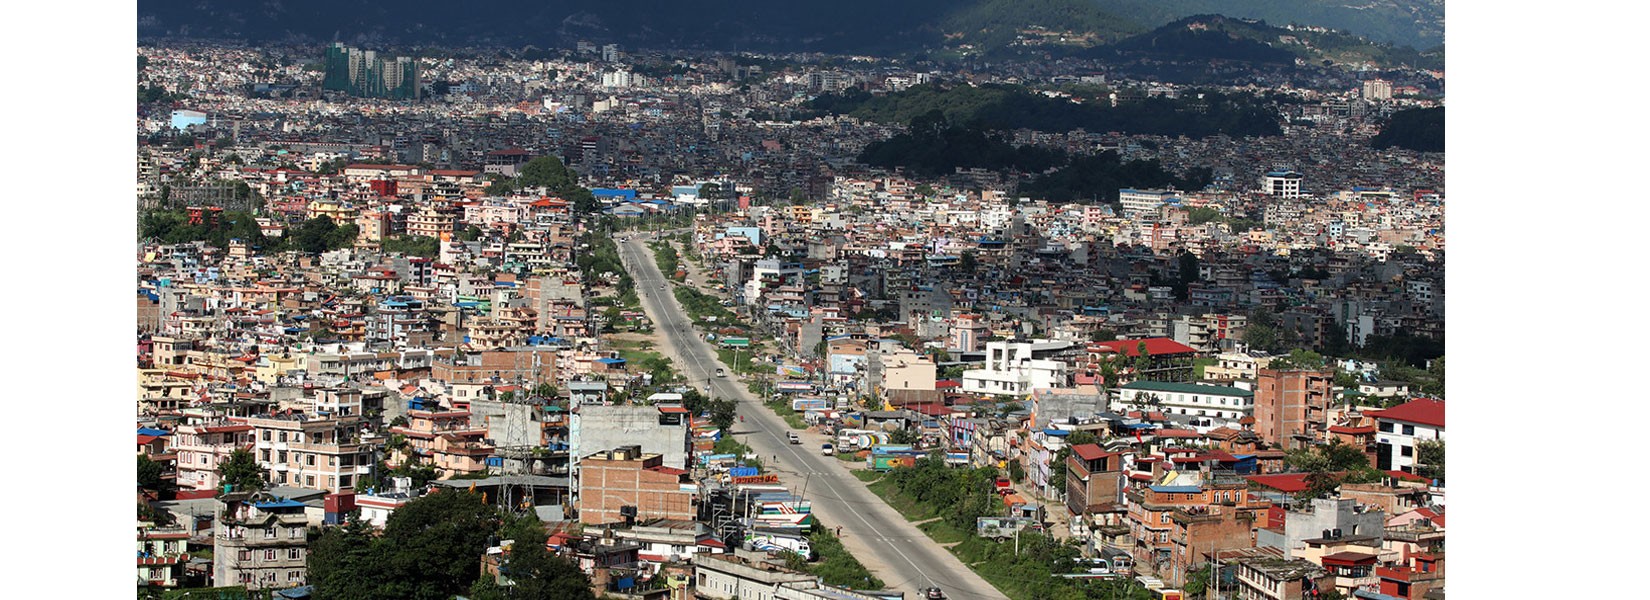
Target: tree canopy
242,470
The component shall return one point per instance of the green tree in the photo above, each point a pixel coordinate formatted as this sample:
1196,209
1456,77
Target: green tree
903,436
242,470
471,233
346,562
722,413
432,545
148,473
413,245
1429,459
534,571
544,390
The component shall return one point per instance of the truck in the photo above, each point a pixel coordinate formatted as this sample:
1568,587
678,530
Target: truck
773,542
794,439
1002,528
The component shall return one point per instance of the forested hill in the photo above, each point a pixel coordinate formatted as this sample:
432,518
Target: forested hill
937,28
1218,37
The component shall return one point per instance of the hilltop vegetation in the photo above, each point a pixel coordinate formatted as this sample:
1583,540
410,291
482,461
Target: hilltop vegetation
1008,107
907,27
1415,23
1419,129
1217,37
995,24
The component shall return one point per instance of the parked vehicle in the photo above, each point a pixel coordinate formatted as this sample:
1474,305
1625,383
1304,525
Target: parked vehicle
827,449
772,542
1002,528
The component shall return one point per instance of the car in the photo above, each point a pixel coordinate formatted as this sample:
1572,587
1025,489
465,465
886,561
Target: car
721,372
794,438
827,449
661,286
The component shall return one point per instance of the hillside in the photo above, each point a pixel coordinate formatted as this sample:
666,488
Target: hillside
1216,37
841,26
1413,23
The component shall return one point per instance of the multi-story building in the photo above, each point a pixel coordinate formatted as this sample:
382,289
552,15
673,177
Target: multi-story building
323,450
1400,428
260,541
1157,546
1292,406
625,483
447,440
162,552
1015,369
201,447
1285,184
1094,479
1277,579
1216,401
1165,359
1138,203
365,74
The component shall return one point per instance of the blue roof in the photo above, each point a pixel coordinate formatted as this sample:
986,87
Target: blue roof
282,503
1177,489
610,361
149,431
1056,432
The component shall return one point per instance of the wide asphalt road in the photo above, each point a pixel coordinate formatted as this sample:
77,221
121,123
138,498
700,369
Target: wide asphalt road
904,557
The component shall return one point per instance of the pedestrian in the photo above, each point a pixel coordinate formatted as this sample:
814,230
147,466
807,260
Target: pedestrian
839,531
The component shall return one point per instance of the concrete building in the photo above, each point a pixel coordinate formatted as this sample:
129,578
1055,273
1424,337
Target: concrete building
1274,579
1284,184
1138,203
1094,479
260,542
624,483
1220,402
662,429
1323,518
1013,369
1292,406
1400,428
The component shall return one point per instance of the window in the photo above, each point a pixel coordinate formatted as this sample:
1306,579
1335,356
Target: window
1406,450
283,436
309,480
269,533
266,435
1386,427
1409,430
294,575
244,556
269,555
309,459
294,553
295,532
263,455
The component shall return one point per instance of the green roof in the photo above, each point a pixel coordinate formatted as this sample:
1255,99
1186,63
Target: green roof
1187,388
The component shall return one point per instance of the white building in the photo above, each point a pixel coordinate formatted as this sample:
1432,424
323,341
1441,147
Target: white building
1011,370
1400,428
1144,202
1284,184
1216,401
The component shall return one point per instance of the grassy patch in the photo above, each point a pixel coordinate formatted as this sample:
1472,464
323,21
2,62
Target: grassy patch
836,566
907,507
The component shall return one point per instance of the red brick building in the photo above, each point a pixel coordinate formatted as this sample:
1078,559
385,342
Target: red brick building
1292,407
612,480
1093,479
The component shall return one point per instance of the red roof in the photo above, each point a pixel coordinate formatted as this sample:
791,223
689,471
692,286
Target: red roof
1177,433
1154,346
143,440
1423,411
195,494
672,409
946,384
669,470
1090,452
1408,476
1348,558
1352,430
1287,483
